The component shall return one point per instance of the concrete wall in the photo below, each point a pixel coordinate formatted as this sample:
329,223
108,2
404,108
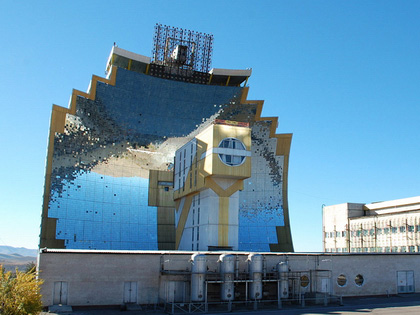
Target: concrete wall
378,270
98,277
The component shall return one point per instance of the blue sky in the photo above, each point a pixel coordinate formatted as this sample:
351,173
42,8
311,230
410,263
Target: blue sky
342,76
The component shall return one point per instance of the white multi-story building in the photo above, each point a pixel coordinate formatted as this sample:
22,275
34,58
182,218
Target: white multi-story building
389,226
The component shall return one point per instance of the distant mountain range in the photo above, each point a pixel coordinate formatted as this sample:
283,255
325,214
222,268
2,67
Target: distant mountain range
16,257
18,250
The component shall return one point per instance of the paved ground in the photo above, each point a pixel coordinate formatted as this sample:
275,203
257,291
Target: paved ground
402,304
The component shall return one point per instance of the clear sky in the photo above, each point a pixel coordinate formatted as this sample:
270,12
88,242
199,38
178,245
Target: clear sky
342,76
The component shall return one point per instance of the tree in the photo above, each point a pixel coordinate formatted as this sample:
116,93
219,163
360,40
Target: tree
30,267
19,293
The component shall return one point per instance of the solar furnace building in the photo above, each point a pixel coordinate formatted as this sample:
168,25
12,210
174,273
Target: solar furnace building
165,154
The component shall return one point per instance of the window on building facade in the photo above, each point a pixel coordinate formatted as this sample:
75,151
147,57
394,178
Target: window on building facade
372,232
417,228
359,280
412,249
378,231
195,178
232,160
344,233
365,232
338,234
395,249
386,230
232,143
365,249
410,228
387,249
379,249
394,230
402,229
341,280
403,249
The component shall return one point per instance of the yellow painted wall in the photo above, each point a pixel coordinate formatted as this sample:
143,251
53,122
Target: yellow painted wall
212,164
158,197
223,236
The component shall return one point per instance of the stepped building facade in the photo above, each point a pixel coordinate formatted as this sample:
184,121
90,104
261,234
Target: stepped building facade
166,154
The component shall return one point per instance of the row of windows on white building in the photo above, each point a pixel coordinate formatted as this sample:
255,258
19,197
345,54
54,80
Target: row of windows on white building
386,249
375,231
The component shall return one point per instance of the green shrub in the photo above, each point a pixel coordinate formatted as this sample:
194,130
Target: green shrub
19,293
